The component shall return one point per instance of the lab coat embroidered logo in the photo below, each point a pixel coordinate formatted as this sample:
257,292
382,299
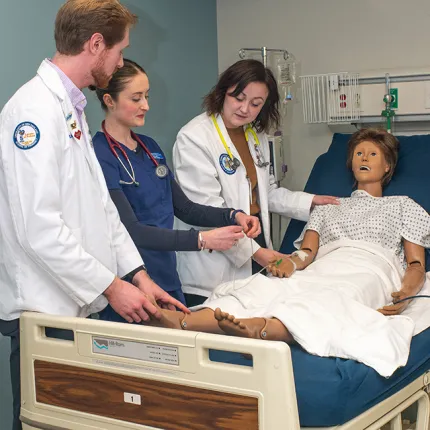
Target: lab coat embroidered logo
226,164
26,135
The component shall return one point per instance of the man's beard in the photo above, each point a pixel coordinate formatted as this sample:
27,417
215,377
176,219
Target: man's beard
101,79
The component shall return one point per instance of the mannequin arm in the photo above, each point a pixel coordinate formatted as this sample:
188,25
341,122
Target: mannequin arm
413,280
299,260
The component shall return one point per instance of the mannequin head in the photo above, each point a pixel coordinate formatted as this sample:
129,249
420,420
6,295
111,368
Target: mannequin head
372,157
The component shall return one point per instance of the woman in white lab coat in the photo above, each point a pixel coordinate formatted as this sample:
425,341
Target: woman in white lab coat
221,158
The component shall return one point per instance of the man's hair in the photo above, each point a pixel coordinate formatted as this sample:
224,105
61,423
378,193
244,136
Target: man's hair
78,20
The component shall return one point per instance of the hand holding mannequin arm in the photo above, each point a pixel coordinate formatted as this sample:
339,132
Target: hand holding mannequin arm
413,281
299,260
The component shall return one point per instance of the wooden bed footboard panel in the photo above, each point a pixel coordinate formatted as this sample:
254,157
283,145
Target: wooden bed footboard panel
162,405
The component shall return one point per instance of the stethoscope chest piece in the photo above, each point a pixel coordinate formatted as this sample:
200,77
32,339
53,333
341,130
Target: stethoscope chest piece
235,163
161,171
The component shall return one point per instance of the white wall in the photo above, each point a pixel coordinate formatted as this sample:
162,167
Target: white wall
326,36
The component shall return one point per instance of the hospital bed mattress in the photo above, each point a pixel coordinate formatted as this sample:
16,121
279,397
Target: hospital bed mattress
331,391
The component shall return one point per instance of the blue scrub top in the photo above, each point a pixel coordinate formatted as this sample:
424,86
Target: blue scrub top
151,200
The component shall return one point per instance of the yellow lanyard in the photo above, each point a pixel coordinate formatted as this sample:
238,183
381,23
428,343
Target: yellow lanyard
248,130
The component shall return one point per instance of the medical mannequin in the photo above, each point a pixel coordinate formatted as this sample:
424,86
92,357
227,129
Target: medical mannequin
221,158
366,216
145,192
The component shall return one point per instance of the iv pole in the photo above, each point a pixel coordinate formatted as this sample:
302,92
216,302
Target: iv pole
263,51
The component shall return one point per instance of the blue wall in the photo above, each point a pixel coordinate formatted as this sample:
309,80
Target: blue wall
175,41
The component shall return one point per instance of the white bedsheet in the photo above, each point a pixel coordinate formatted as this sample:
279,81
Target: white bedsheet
330,308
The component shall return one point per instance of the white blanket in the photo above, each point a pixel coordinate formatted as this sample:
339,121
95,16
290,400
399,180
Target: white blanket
330,308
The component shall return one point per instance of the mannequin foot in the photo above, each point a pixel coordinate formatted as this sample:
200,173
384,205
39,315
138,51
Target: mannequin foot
253,328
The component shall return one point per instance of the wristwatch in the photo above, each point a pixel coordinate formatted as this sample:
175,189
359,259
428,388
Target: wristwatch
233,216
129,277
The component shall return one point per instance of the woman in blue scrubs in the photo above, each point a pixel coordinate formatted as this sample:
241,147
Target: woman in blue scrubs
146,193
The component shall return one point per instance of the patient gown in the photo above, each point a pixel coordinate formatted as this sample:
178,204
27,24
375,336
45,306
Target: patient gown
330,307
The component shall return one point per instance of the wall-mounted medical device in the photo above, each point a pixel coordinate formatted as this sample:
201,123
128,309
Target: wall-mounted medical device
389,98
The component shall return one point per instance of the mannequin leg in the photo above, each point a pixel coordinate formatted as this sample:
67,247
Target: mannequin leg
255,328
202,320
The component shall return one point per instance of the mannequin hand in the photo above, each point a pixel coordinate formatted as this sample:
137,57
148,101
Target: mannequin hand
250,224
154,293
264,256
396,309
221,239
324,200
284,269
412,283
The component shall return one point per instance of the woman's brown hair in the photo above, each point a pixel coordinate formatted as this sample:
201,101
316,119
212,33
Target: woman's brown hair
239,75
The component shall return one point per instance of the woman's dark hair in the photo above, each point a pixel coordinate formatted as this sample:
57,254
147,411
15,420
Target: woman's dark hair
119,81
239,75
384,140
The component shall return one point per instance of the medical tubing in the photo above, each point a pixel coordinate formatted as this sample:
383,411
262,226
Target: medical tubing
412,297
277,263
235,265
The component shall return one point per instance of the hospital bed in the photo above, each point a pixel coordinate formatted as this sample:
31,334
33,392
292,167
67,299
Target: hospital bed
119,376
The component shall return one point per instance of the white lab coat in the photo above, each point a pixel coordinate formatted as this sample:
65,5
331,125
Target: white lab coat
196,156
61,239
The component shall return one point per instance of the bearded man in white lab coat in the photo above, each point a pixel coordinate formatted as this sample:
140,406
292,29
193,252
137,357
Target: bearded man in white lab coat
63,247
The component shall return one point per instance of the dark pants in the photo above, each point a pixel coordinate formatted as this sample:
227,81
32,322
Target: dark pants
194,299
11,329
108,314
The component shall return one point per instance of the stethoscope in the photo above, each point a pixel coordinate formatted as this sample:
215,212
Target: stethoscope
161,170
234,162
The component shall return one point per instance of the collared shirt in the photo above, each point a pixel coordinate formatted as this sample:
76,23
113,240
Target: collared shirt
76,96
384,221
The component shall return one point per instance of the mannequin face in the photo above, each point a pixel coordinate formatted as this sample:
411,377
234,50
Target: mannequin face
368,164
